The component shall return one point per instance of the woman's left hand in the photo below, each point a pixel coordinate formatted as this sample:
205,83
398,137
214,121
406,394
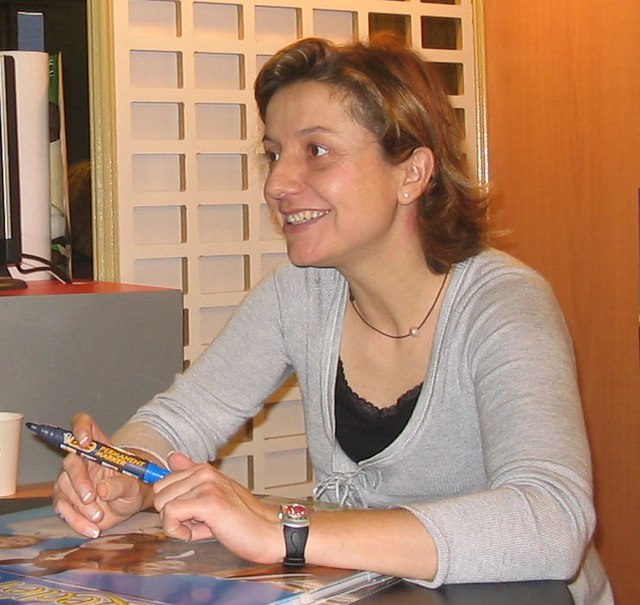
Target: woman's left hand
197,502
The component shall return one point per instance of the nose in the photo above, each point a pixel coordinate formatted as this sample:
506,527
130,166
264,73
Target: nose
285,177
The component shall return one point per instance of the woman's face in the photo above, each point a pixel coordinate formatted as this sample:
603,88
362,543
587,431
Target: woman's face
328,183
18,541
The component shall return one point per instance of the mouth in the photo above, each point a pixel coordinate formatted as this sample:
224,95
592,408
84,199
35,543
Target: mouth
299,218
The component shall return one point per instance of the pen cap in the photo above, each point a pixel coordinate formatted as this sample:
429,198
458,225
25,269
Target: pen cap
154,473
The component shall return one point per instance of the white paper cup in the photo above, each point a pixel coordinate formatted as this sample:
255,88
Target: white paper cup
10,431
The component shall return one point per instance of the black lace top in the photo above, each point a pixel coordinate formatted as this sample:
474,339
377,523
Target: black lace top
363,429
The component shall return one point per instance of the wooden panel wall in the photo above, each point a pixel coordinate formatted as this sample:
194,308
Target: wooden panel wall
563,85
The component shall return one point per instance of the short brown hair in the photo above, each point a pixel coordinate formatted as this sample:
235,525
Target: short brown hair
396,95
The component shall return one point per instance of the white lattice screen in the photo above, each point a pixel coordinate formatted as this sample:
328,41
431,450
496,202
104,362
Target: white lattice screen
190,208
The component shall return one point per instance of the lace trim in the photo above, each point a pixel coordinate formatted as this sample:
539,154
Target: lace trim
407,398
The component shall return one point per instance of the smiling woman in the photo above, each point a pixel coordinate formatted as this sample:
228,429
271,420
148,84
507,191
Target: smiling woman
383,104
437,375
328,179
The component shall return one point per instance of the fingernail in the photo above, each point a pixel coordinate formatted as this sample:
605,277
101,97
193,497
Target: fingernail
95,515
94,533
83,438
86,496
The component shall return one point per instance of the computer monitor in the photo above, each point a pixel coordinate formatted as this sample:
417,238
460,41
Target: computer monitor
10,225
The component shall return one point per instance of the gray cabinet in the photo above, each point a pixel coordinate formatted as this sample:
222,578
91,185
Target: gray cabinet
98,347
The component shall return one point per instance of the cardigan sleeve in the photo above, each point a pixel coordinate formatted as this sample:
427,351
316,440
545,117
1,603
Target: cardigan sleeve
535,517
225,386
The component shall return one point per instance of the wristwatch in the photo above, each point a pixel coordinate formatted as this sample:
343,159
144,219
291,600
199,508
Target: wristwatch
295,526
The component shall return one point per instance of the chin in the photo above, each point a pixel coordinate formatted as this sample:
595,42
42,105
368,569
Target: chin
309,256
303,263
298,262
301,259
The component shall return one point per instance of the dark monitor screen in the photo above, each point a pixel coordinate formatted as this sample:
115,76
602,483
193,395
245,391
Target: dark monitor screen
10,234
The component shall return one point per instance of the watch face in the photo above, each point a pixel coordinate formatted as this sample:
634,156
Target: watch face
294,512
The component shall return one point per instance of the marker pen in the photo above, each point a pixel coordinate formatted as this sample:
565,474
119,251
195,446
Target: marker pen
106,455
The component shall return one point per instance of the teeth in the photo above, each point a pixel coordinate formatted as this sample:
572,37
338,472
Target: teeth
304,216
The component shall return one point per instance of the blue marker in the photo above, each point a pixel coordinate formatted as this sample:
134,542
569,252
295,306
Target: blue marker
107,455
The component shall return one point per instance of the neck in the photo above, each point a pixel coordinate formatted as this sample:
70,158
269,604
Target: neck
397,304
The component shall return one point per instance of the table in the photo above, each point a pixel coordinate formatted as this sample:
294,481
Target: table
548,592
26,492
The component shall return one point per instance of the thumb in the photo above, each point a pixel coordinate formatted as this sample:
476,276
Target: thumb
180,462
115,487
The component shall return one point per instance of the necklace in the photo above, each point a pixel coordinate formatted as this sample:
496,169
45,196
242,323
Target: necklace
413,332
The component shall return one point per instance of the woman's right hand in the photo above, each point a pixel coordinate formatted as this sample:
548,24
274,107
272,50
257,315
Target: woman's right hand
90,497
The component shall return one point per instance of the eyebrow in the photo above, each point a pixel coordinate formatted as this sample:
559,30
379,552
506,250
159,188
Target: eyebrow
304,132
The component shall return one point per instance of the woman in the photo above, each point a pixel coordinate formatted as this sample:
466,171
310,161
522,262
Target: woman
437,374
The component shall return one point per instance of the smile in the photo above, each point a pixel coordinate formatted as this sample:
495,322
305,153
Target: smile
302,217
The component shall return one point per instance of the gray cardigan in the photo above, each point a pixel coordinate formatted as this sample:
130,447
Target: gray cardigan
494,460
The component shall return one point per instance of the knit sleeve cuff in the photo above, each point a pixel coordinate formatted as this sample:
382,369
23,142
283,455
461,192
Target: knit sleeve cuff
141,437
442,548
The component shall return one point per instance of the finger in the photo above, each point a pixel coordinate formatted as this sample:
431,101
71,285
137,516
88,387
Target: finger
180,462
181,467
76,485
62,489
68,506
75,520
81,486
187,519
85,429
189,483
79,481
188,531
118,498
118,487
200,531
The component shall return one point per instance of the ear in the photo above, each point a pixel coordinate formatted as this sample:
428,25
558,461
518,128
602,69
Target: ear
416,174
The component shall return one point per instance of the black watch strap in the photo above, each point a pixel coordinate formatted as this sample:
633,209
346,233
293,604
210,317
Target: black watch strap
295,539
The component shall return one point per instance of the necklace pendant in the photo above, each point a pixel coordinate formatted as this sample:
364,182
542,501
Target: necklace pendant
413,332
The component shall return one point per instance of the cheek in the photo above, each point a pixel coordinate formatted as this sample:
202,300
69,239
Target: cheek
378,199
271,201
267,191
274,215
357,190
410,225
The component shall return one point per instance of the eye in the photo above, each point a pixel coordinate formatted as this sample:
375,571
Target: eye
318,150
271,156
